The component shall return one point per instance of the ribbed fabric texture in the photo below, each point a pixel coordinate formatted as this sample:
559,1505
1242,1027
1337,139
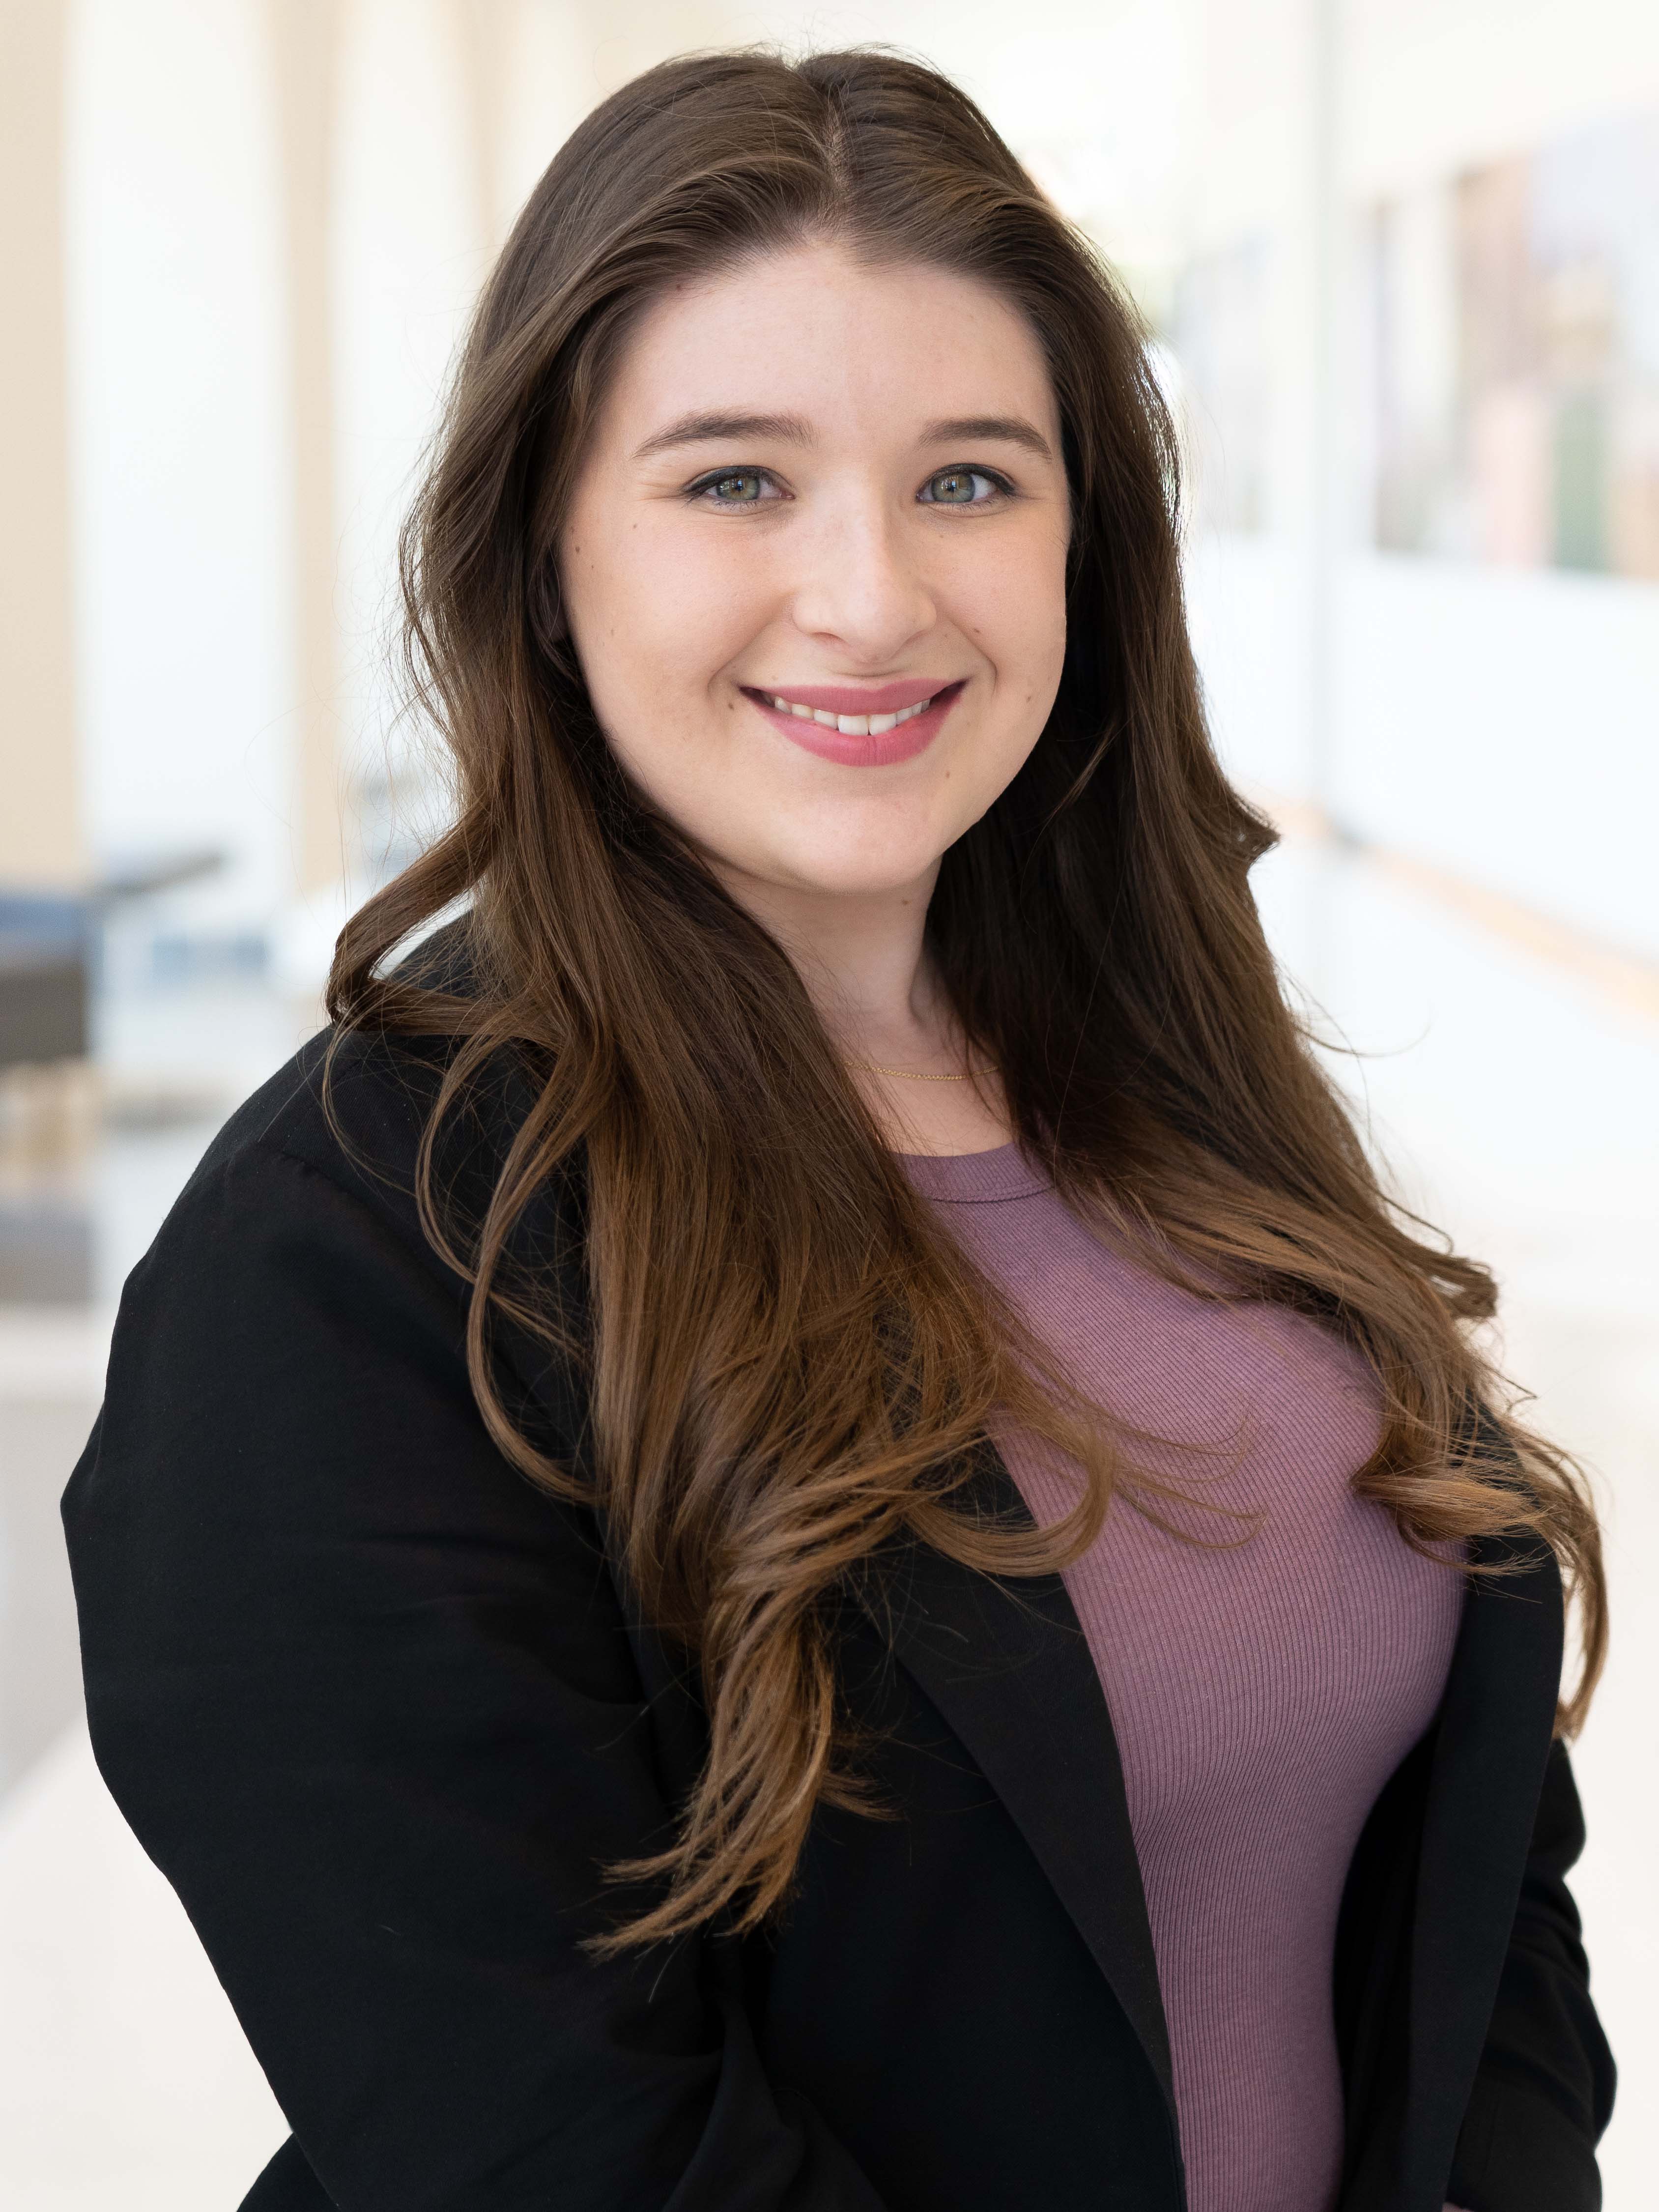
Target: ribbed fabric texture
1261,1694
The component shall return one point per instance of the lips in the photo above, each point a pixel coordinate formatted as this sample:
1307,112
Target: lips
871,727
857,699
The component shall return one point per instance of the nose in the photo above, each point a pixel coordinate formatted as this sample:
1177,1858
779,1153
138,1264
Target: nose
861,589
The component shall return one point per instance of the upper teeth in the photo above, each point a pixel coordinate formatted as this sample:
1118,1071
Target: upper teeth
850,725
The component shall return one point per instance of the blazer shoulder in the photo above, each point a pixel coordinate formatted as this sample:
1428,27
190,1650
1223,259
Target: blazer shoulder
354,1106
293,1282
325,1159
355,1103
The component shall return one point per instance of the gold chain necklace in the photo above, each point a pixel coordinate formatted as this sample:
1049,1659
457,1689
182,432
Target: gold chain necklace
910,1076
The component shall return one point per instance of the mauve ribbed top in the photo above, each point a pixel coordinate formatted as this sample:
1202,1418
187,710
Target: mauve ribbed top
1261,1694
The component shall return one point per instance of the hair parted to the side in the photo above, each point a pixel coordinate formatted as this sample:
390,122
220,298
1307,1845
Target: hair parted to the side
790,1366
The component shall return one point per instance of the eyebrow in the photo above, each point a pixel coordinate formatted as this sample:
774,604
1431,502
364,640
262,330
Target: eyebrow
968,429
709,428
712,429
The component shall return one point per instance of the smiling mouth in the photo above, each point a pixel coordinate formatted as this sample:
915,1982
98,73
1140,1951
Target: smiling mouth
855,726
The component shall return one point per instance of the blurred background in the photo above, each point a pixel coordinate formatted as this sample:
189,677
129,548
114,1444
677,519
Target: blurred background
1401,262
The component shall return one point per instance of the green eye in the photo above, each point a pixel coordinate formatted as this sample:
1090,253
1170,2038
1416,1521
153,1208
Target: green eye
956,488
741,488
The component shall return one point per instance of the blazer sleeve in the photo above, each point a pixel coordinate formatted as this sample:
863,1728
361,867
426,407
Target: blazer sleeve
367,1700
1544,2091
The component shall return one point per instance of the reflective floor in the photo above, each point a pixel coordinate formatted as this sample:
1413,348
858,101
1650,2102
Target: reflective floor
1514,1106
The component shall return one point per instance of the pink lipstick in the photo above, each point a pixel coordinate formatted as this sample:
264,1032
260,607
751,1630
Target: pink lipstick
870,726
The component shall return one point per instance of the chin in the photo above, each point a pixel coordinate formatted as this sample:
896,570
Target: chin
865,848
853,875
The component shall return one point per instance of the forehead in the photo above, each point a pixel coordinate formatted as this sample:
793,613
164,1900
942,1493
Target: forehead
876,350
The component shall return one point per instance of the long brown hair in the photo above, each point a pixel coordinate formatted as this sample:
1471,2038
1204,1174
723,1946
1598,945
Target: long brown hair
789,1364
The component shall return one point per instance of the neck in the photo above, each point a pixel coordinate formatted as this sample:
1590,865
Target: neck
866,967
862,959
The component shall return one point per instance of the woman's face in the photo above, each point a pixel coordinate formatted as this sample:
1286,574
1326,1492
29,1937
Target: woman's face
819,496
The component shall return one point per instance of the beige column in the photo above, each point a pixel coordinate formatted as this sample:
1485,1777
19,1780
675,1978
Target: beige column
490,33
41,835
536,67
529,81
636,38
305,43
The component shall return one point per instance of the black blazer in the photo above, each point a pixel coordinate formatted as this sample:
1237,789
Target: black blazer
378,1708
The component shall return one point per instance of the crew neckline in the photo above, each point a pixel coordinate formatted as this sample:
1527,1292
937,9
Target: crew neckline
974,1178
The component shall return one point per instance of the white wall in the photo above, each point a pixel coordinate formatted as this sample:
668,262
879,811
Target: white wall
1432,84
1501,723
1507,725
178,435
409,251
180,424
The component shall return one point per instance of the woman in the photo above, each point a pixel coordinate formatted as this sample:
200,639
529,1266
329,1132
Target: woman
597,1580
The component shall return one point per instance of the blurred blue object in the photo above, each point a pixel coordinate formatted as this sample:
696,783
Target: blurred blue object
45,978
50,951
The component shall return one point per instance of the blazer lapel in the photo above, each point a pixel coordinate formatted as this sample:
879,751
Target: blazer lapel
1495,1725
1007,1665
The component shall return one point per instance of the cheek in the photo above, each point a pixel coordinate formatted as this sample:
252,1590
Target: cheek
654,616
1015,611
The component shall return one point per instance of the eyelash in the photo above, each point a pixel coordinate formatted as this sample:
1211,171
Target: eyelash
693,493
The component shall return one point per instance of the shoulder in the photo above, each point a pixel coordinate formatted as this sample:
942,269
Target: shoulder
293,1269
353,1105
303,1224
342,1119
289,1365
339,1130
